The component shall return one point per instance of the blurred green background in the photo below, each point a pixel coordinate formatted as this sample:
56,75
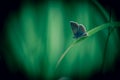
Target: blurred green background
38,34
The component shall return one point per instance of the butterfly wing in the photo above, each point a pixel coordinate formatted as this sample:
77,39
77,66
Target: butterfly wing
82,30
78,29
74,26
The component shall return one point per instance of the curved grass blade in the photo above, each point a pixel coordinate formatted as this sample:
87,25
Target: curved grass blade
90,33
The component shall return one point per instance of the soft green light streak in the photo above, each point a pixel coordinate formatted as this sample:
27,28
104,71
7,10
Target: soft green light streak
54,36
31,44
25,44
83,13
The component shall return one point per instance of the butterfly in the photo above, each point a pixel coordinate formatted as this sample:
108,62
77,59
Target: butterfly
78,30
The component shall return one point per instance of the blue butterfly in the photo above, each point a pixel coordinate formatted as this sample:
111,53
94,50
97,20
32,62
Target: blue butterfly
78,30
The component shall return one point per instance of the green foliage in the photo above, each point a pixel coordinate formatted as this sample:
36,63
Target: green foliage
38,35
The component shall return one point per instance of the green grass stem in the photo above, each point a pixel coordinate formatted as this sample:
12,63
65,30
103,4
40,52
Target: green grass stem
90,33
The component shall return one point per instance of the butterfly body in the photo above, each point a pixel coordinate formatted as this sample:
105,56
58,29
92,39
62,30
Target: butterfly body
78,29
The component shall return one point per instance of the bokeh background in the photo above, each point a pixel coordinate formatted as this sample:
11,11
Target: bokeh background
34,34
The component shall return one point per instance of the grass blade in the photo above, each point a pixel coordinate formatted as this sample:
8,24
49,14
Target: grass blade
90,33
